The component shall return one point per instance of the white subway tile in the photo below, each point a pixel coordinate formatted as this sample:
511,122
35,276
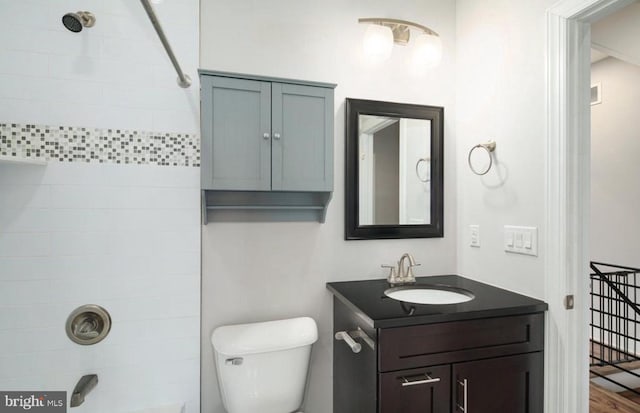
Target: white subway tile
24,63
80,243
54,220
161,329
83,196
77,68
24,220
177,120
176,219
126,117
182,264
171,242
66,93
32,340
144,50
24,111
23,196
150,308
25,244
32,316
24,268
129,243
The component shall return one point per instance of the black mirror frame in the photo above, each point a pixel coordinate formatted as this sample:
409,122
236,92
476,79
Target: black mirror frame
357,107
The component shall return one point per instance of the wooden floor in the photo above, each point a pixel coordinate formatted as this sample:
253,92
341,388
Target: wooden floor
604,401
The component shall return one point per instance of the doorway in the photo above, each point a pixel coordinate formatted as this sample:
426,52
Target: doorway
567,200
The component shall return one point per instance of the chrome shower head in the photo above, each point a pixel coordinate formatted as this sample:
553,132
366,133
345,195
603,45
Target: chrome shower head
76,21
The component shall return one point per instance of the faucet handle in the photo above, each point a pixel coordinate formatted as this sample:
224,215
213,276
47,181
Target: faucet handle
392,277
409,277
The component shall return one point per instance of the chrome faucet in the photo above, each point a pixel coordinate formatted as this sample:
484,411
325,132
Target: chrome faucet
402,274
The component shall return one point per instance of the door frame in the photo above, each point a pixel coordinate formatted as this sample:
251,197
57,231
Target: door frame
568,199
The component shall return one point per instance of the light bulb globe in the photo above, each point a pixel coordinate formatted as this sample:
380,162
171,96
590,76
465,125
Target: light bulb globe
427,51
377,43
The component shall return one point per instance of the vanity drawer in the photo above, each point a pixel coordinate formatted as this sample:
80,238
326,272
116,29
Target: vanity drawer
425,390
432,344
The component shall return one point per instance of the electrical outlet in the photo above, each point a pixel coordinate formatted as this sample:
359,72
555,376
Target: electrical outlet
521,240
474,236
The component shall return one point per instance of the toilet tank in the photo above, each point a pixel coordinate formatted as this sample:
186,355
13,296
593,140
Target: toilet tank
262,367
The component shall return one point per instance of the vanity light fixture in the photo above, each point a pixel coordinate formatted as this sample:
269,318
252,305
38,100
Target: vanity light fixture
382,33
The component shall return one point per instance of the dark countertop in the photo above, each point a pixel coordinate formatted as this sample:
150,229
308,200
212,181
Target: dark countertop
368,300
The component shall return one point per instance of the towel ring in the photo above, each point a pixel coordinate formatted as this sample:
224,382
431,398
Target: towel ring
489,147
428,159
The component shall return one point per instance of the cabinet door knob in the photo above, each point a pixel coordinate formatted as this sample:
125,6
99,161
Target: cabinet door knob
266,136
276,136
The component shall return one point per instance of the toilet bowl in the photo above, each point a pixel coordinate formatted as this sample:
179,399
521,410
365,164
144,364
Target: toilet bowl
262,367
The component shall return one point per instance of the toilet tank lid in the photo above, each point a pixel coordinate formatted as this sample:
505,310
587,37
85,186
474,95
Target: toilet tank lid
243,339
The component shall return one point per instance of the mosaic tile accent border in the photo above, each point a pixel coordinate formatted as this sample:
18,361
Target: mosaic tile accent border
93,145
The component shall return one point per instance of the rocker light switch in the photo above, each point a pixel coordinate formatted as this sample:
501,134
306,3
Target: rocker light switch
521,240
474,235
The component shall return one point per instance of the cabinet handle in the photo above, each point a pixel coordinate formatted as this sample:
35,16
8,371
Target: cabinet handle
359,333
427,380
276,136
266,136
464,406
343,335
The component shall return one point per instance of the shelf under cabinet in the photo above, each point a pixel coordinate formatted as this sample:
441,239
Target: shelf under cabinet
264,206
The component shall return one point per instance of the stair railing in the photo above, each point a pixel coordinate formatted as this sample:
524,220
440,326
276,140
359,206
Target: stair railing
615,321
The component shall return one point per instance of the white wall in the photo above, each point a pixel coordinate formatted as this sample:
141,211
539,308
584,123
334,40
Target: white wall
615,167
501,47
123,236
617,34
261,271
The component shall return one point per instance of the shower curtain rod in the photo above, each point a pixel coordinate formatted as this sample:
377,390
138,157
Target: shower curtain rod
183,80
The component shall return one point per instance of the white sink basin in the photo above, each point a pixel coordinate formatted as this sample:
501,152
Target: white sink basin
429,294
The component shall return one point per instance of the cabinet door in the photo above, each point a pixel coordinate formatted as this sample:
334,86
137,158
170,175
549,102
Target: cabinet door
425,390
236,134
302,152
507,384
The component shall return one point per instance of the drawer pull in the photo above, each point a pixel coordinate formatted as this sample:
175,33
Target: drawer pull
427,380
464,406
343,335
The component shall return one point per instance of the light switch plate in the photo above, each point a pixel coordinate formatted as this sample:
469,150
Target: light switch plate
474,236
521,240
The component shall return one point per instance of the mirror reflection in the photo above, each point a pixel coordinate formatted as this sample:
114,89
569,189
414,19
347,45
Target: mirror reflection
394,170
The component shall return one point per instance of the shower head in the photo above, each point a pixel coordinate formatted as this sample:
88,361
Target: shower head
76,21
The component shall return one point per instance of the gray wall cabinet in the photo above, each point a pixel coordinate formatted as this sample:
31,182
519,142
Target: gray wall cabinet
265,134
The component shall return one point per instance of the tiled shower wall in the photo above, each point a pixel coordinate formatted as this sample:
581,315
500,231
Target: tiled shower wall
113,218
125,237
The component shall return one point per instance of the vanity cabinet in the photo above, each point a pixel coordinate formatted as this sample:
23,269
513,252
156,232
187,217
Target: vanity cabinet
479,365
265,134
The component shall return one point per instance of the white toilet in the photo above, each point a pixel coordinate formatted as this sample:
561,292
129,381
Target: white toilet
262,367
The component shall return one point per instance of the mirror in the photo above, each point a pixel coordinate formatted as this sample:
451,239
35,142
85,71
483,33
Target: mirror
394,164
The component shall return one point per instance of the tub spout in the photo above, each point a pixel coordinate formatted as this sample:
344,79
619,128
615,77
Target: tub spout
84,387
